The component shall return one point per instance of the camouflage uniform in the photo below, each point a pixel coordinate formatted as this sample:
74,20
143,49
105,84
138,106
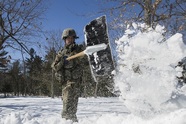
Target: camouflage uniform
69,73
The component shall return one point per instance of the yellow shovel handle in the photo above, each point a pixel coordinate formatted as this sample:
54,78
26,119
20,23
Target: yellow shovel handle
76,55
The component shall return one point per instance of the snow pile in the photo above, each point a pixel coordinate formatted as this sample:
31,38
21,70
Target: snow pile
146,74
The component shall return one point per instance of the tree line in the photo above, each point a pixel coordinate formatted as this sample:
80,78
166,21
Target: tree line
33,77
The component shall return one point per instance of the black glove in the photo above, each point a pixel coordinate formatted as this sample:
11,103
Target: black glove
65,60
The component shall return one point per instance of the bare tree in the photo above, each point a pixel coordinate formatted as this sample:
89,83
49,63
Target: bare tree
149,11
19,21
53,39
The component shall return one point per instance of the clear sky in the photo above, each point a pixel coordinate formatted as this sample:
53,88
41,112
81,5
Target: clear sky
69,14
63,14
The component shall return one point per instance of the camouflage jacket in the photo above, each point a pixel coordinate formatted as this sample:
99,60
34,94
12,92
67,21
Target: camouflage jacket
68,70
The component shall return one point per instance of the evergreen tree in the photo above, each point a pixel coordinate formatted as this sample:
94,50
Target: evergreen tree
34,71
3,59
17,82
52,85
4,85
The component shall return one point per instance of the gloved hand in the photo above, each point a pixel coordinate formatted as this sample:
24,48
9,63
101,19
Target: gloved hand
65,60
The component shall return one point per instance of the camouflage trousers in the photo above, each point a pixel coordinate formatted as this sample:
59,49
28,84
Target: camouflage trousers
70,95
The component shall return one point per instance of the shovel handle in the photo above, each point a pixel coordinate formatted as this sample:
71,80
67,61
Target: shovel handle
76,55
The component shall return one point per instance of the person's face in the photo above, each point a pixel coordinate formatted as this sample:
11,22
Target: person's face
69,40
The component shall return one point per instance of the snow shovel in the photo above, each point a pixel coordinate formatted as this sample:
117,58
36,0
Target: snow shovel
88,51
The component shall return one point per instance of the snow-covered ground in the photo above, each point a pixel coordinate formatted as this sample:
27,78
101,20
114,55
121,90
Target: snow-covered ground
145,76
32,110
110,110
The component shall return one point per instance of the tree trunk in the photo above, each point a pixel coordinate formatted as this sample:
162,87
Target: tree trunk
52,85
96,90
52,82
148,14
